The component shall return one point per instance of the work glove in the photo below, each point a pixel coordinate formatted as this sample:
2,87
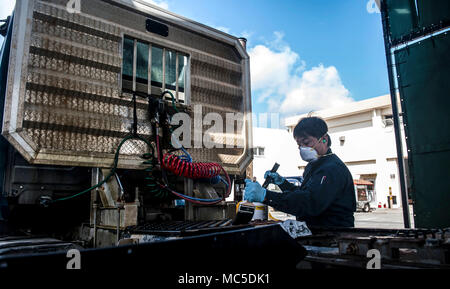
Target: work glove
276,178
254,192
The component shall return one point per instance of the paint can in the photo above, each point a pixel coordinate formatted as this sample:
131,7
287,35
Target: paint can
261,212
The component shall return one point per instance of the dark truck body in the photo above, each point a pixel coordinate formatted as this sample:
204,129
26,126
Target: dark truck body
426,119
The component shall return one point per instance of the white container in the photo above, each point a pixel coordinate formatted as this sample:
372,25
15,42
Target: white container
261,212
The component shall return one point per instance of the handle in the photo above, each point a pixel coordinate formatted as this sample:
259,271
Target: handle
269,179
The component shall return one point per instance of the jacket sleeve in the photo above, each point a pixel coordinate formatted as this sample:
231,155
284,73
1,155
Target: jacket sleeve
311,199
287,186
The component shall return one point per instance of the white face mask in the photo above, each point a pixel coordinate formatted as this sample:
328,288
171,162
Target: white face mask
308,154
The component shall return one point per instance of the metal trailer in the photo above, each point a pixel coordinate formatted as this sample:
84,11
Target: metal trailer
78,81
417,43
326,247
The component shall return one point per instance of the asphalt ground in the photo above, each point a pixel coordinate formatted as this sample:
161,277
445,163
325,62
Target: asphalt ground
383,219
379,218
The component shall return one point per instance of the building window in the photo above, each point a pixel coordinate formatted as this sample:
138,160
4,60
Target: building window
342,140
258,151
152,69
394,200
388,120
261,151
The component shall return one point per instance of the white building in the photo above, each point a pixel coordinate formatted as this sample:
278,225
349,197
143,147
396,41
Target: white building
274,146
362,135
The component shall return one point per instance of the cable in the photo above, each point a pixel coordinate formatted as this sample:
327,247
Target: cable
113,169
194,200
158,152
186,169
173,99
223,181
151,181
183,166
179,165
188,156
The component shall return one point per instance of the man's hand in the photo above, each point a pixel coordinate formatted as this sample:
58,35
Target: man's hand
276,178
254,192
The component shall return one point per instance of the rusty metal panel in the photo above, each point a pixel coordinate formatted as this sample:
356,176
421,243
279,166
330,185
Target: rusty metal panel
64,101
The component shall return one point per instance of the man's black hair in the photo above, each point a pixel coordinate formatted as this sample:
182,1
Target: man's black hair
312,126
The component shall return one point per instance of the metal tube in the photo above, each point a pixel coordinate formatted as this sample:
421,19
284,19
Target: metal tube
136,196
164,70
121,192
95,225
95,179
187,83
402,179
118,225
134,63
149,82
189,213
176,76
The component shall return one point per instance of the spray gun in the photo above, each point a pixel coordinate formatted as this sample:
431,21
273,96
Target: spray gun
269,178
246,211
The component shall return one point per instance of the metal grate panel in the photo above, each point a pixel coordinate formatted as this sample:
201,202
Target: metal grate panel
64,103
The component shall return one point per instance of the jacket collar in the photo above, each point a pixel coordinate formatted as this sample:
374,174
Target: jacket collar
319,161
322,158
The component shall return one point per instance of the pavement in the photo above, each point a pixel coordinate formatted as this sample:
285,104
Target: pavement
383,219
380,218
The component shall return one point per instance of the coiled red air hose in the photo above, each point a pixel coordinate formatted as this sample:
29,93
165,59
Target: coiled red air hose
190,170
183,168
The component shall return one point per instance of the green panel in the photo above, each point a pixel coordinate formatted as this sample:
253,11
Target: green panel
171,69
402,17
431,190
157,66
182,64
424,82
424,70
431,12
141,62
128,46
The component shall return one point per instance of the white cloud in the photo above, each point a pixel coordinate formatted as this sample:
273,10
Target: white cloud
317,88
281,80
159,3
270,69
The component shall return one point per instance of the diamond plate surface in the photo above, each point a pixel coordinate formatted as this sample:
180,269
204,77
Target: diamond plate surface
70,107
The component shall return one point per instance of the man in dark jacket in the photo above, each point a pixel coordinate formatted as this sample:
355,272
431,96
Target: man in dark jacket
326,196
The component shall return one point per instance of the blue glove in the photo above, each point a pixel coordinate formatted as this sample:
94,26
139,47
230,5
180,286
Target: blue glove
276,178
254,192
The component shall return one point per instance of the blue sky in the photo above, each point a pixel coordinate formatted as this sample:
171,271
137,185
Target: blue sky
305,54
334,49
